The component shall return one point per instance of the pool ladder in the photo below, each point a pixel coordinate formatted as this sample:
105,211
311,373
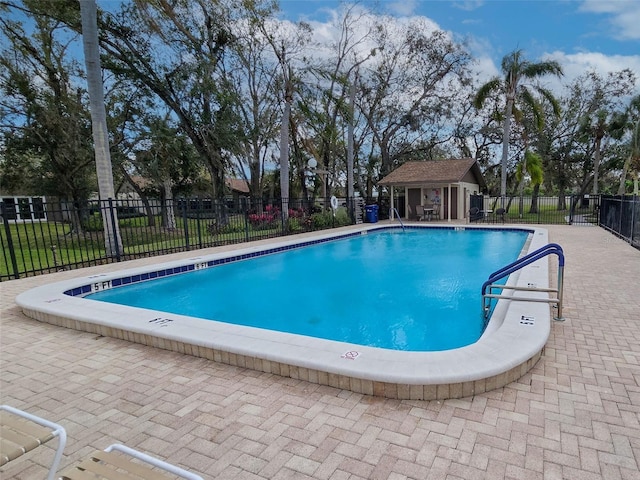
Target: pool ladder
395,210
489,285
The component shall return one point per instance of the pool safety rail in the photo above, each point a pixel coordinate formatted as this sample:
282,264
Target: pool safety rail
397,215
489,286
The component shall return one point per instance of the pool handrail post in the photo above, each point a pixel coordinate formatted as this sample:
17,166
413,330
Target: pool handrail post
559,317
523,262
393,210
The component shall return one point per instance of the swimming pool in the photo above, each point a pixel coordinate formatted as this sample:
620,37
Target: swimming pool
414,291
508,348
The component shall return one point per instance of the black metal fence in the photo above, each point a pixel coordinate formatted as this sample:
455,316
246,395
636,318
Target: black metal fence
42,237
567,210
621,216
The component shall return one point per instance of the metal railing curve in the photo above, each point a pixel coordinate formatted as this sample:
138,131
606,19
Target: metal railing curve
397,215
549,249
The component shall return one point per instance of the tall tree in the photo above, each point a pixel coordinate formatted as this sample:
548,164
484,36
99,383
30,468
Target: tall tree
329,105
517,70
600,126
89,15
43,116
287,43
252,76
407,92
165,157
588,131
531,166
632,162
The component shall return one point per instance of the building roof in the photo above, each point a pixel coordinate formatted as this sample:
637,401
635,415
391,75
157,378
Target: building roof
437,171
237,185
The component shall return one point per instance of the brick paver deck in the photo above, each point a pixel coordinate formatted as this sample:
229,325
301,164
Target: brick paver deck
574,416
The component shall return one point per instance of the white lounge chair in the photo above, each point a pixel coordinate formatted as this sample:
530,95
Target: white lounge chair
134,465
21,432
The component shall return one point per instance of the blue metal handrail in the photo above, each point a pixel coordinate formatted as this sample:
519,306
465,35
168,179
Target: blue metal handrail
395,210
524,261
551,248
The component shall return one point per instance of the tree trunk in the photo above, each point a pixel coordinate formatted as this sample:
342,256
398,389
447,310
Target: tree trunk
596,165
622,188
350,147
284,150
88,10
534,199
151,219
505,149
562,202
169,217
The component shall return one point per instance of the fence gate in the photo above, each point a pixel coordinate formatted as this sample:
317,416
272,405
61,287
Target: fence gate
584,209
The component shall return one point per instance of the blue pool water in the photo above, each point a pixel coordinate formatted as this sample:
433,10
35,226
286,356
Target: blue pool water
417,290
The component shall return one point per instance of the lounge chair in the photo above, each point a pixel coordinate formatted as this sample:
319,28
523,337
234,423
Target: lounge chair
127,464
21,432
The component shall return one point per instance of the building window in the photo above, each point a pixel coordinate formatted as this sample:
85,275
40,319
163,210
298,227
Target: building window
22,209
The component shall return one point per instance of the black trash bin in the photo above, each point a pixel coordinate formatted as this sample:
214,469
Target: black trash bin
371,213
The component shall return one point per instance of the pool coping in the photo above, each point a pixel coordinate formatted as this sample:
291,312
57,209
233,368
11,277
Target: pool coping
507,350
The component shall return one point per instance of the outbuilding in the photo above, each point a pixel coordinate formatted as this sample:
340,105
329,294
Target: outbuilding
442,186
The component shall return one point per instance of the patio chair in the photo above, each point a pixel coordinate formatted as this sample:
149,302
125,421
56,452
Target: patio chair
21,432
474,214
127,464
436,211
419,212
501,214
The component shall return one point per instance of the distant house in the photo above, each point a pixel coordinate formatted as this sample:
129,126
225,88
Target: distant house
23,207
447,184
238,186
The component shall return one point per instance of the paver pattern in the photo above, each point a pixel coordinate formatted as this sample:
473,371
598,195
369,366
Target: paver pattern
575,415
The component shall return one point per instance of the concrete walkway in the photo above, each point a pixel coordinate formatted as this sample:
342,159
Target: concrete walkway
576,415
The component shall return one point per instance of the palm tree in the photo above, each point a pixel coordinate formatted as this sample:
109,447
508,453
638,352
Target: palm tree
632,162
598,127
89,15
516,69
531,165
634,156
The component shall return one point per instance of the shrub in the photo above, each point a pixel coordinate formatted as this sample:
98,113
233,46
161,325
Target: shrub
266,220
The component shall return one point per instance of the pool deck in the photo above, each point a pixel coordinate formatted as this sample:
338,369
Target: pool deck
576,414
512,343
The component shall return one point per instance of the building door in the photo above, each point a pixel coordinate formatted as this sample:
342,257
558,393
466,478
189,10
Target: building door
414,197
454,203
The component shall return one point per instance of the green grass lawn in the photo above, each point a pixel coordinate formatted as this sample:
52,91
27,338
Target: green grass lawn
55,245
49,246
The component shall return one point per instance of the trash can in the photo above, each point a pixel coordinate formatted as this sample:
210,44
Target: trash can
371,213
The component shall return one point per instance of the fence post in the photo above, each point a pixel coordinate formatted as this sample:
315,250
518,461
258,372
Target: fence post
7,229
185,222
246,224
571,208
634,204
200,214
114,229
620,215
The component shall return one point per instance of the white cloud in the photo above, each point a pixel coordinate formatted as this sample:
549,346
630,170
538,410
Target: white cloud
576,64
468,5
624,16
402,8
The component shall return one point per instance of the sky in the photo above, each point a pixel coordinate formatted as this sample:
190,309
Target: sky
581,34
